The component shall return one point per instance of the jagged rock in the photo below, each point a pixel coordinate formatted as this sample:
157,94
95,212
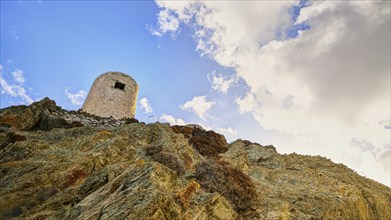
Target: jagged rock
308,187
27,117
7,138
45,115
153,171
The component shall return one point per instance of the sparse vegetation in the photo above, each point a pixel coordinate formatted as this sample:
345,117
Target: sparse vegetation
75,124
207,143
131,121
186,131
152,149
233,184
167,159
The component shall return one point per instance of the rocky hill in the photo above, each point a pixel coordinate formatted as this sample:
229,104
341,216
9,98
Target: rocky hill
58,164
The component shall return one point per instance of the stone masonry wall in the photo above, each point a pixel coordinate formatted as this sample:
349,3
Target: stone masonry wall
105,100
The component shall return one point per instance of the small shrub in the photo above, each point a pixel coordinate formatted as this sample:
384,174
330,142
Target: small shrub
76,124
233,184
152,149
207,143
169,160
271,147
186,131
248,143
131,121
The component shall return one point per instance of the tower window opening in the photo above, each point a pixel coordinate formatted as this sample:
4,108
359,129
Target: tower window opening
119,85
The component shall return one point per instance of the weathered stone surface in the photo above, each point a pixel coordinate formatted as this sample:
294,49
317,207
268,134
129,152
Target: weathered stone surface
308,187
45,115
128,170
28,117
113,94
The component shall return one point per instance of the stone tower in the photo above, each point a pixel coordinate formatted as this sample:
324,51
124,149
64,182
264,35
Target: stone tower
112,94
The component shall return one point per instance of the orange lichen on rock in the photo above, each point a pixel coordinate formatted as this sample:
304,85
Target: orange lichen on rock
140,162
106,133
73,177
187,194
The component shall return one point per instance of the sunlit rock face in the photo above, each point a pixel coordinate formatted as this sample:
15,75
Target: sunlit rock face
113,94
58,164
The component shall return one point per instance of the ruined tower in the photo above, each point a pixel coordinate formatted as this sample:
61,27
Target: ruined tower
112,94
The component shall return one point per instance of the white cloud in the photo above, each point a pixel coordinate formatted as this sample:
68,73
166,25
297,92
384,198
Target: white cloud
228,132
172,120
214,26
18,76
76,98
199,105
7,88
247,104
219,83
166,23
144,104
14,90
318,8
325,87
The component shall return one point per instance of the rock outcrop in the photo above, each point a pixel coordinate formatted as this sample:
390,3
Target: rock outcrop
58,164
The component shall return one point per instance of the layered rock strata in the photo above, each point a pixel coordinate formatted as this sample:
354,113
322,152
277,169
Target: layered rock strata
57,164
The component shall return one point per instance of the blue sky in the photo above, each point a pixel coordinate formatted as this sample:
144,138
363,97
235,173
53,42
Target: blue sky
69,44
308,77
